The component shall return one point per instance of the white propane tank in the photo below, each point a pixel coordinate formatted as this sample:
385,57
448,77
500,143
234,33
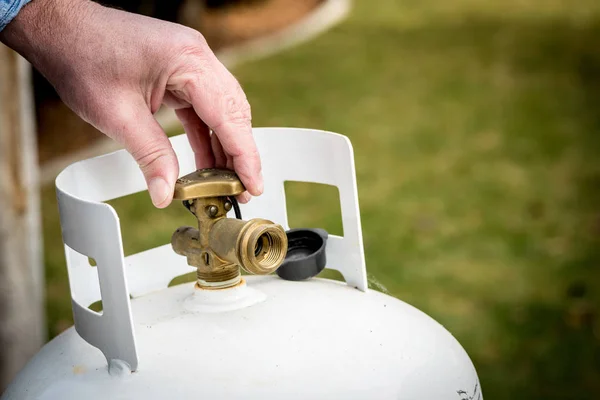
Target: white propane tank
267,338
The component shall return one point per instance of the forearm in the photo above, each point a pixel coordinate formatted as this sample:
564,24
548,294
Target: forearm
44,28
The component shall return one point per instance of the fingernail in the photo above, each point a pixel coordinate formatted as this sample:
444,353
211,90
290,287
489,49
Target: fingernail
260,187
159,190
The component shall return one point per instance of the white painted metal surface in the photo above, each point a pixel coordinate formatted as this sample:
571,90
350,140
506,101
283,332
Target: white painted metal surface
268,339
287,154
307,340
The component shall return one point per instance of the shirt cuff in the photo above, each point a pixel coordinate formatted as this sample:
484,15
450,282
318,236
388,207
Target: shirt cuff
9,10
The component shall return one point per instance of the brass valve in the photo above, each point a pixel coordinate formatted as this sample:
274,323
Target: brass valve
221,245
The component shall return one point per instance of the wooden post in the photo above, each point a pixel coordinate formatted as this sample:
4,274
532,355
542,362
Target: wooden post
22,329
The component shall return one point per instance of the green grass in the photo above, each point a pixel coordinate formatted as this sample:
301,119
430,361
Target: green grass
475,126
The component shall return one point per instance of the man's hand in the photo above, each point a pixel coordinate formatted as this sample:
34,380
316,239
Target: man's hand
115,69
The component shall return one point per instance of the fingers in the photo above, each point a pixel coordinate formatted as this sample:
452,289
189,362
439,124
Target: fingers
218,152
207,147
198,136
224,161
219,101
244,198
144,139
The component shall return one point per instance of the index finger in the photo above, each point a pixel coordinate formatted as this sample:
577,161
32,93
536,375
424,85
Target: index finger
220,101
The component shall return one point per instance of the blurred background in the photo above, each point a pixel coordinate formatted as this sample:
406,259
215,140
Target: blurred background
475,125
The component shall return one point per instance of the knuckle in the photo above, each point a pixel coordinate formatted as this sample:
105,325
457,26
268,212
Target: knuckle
185,36
152,151
236,110
193,44
196,37
192,53
195,58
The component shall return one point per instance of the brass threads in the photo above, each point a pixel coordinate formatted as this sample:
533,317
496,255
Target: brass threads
274,250
218,279
237,241
221,245
264,249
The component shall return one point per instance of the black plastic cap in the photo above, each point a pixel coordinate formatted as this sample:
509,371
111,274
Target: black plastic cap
305,257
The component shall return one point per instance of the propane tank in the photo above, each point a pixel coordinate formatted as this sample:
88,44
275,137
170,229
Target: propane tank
262,335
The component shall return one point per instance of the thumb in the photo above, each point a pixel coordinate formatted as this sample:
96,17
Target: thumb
144,139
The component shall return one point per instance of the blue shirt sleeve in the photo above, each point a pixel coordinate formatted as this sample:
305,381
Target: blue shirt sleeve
9,9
